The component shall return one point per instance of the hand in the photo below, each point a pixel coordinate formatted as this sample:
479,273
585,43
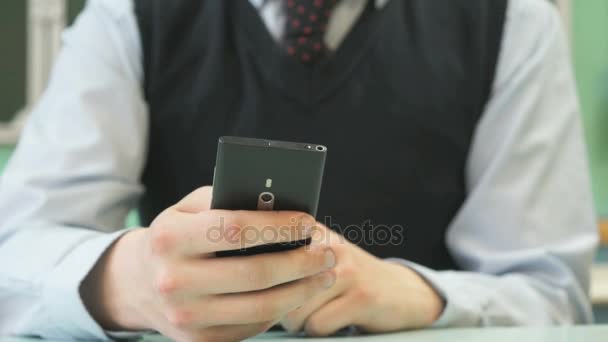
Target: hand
374,295
167,277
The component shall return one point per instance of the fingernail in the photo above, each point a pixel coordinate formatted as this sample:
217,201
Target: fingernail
330,258
328,280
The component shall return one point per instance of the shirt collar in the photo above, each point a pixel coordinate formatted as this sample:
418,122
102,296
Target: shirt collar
380,4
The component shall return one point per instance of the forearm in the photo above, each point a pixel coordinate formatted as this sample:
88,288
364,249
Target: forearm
40,285
526,234
71,181
539,297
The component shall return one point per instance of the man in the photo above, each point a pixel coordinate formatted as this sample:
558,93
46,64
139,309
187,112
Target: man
454,123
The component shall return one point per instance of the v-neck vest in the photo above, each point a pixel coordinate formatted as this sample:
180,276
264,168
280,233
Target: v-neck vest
396,104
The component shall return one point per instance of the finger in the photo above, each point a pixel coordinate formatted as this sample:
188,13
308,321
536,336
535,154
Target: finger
294,321
260,306
245,274
332,317
222,230
197,201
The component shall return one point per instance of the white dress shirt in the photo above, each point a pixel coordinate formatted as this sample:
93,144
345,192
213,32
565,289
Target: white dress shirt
526,234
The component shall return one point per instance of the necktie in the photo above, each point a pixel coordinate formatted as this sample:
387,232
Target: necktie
305,28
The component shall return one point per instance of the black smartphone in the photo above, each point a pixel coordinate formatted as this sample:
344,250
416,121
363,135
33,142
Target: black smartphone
259,174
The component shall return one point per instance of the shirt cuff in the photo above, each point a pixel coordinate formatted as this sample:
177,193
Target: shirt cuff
460,309
66,313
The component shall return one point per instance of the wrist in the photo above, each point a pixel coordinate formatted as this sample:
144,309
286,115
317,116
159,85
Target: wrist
429,303
435,303
106,290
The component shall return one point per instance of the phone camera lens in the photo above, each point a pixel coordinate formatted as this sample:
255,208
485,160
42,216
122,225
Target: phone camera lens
266,201
320,148
267,198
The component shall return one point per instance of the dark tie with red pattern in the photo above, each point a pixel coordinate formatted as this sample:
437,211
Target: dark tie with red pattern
305,28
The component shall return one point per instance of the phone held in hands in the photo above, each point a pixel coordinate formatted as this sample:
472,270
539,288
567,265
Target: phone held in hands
259,174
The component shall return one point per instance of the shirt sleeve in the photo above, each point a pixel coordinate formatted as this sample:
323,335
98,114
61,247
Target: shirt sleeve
526,236
73,177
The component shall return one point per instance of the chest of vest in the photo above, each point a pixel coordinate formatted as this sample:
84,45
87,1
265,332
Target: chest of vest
397,105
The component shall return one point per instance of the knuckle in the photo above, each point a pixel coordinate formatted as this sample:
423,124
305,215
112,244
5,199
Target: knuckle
363,295
166,283
161,240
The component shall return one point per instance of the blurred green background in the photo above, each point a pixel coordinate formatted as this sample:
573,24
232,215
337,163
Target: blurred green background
591,60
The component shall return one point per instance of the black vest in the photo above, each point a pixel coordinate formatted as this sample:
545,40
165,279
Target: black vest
397,105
